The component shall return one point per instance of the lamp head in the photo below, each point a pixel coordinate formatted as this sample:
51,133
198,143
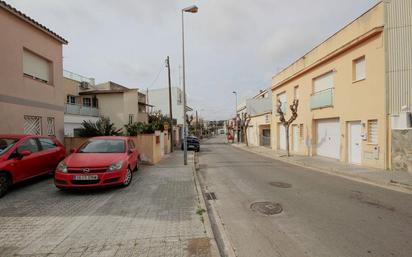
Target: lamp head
191,9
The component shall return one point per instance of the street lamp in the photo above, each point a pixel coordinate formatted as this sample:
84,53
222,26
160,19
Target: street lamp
191,9
237,129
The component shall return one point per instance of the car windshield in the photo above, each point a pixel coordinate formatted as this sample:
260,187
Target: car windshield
6,144
103,146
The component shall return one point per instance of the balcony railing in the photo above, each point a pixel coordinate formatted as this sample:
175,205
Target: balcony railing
81,110
322,99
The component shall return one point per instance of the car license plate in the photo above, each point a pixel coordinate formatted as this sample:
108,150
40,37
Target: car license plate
87,177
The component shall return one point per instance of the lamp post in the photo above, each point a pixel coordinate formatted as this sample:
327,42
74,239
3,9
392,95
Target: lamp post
236,125
191,9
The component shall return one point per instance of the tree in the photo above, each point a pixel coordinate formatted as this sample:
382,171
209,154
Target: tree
157,120
102,127
286,123
244,120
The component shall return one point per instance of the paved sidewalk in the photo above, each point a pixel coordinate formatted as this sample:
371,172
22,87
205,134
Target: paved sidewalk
401,181
157,215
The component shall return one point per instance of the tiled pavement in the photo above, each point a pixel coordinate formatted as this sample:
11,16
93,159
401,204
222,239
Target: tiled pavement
154,216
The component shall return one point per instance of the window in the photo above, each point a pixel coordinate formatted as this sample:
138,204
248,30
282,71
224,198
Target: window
323,83
359,69
301,132
50,126
179,98
29,145
32,125
71,99
87,102
282,99
296,92
373,132
46,143
131,118
36,67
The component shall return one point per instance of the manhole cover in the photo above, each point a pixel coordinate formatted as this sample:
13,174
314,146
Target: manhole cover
280,184
267,208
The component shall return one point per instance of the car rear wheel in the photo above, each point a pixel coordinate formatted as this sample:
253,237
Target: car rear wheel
128,177
4,184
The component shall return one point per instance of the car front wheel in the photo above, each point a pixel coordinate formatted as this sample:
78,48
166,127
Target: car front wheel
128,176
4,184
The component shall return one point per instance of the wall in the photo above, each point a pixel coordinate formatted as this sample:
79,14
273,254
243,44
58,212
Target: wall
147,145
398,31
255,128
402,150
111,105
352,100
130,101
160,99
20,95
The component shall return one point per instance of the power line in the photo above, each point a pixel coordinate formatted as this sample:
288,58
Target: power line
157,76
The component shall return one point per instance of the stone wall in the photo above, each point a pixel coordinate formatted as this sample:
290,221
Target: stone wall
402,150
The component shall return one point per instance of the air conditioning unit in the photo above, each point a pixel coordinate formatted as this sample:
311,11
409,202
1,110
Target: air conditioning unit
84,85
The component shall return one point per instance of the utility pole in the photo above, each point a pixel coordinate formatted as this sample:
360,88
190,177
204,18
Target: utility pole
170,104
197,124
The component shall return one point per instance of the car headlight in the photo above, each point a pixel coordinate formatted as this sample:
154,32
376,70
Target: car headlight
115,166
62,167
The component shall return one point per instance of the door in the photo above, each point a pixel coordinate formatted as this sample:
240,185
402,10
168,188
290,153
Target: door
354,142
295,137
266,137
328,138
282,137
49,155
28,166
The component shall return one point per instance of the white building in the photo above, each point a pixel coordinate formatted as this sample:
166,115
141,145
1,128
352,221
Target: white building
159,98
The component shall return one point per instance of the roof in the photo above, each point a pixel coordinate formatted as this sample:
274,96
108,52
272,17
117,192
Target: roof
102,92
111,137
19,136
31,21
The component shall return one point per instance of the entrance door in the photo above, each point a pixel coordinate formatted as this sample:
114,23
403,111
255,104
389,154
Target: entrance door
295,134
328,138
354,142
282,137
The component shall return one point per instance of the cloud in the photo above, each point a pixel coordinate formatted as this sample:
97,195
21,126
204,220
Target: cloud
230,45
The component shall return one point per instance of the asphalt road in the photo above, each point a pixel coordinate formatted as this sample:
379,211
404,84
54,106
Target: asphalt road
323,215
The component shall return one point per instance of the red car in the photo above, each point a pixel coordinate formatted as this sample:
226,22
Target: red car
100,161
26,156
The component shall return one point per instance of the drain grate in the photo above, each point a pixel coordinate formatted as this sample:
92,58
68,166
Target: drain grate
267,208
211,196
280,184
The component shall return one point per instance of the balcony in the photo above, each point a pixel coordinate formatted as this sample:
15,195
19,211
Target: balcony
81,110
322,99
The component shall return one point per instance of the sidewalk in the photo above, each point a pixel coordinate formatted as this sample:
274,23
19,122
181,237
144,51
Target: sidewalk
160,214
400,181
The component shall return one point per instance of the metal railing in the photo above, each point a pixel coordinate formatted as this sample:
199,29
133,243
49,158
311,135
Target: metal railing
77,77
322,99
81,110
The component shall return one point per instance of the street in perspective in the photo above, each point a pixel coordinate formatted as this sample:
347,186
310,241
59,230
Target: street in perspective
205,128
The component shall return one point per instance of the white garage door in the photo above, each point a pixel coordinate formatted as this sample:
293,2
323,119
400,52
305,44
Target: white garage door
282,137
328,138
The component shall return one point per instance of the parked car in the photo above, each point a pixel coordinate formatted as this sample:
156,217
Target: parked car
193,143
100,161
26,156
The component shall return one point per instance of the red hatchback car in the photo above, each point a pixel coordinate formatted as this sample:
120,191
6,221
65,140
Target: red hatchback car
100,161
26,156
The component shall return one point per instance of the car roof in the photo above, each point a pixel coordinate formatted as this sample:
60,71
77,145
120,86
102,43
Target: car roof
111,137
18,136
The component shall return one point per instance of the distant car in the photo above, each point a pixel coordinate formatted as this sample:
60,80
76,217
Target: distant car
100,161
26,156
193,143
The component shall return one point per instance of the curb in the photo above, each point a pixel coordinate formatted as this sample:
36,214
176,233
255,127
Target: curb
215,251
223,244
391,185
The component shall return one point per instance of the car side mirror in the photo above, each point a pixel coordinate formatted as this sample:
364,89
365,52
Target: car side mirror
130,151
73,150
24,154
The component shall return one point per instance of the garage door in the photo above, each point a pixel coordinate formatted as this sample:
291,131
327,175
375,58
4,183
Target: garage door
328,138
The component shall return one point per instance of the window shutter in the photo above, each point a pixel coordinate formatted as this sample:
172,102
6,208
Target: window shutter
35,66
360,69
323,82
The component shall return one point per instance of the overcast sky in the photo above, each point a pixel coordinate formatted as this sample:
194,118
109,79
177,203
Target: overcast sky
230,44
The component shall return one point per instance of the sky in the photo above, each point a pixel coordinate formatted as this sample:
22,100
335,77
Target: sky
230,45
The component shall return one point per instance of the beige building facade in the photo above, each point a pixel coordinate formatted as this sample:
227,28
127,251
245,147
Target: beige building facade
341,89
31,76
